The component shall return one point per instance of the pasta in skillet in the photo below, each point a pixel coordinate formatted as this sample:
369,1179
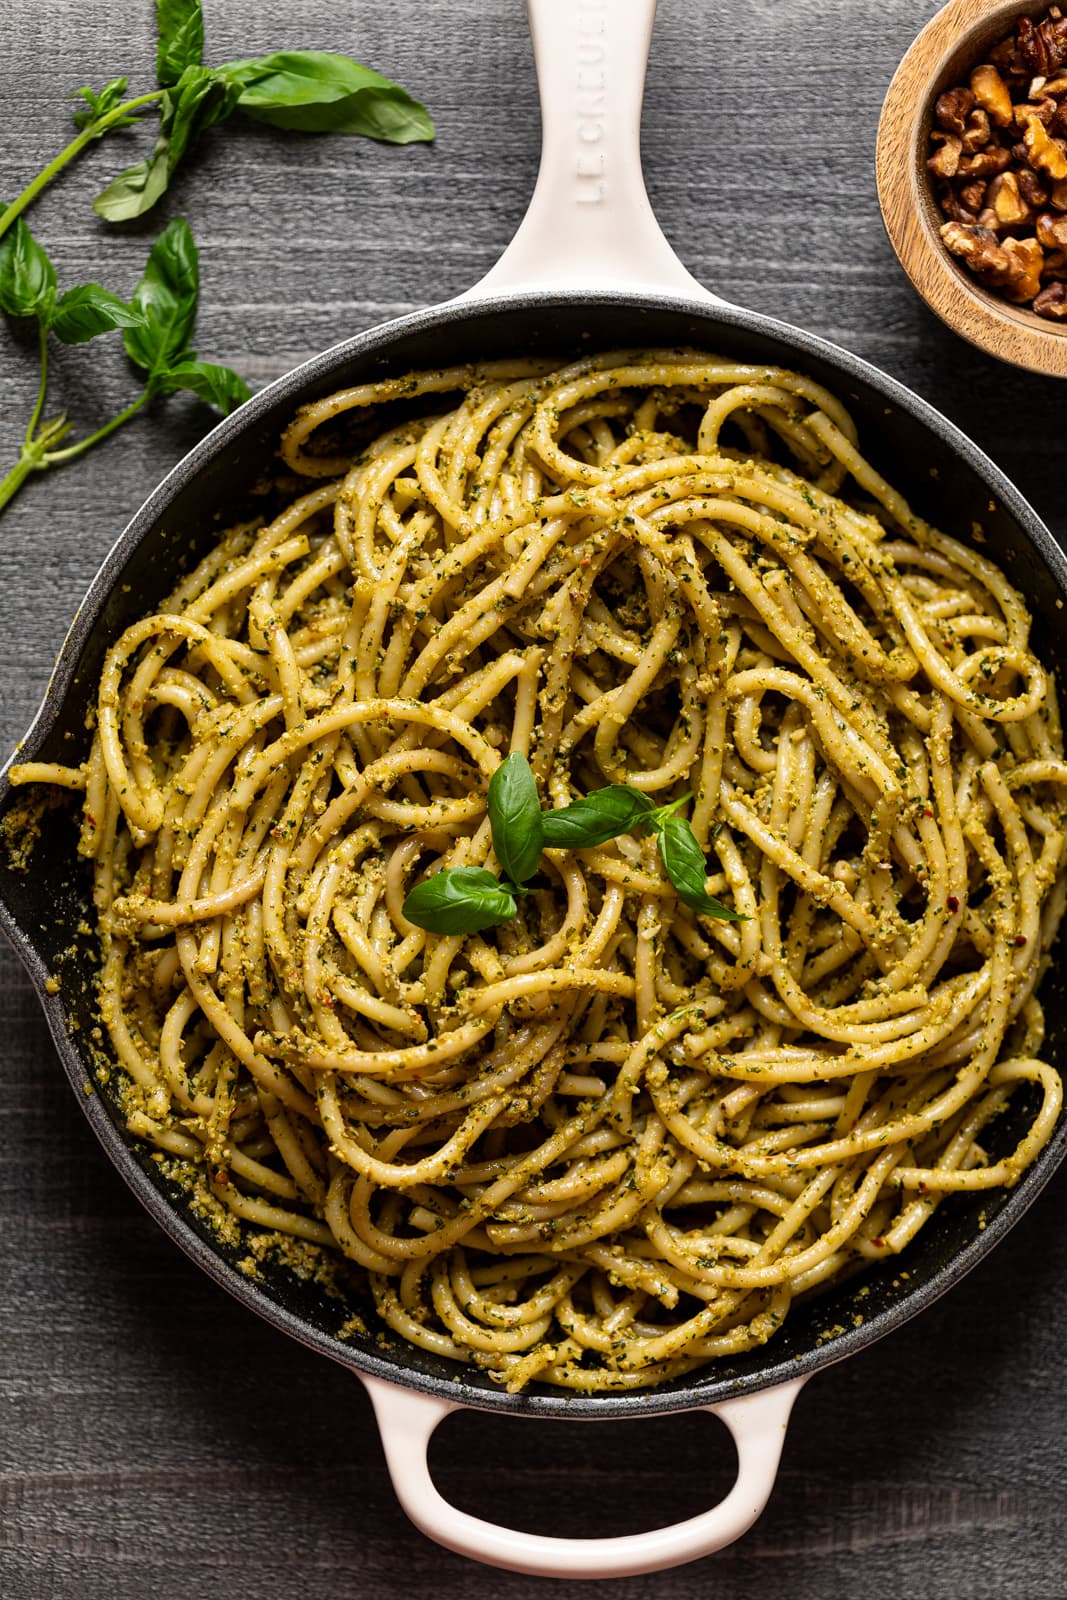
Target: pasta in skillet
612,1138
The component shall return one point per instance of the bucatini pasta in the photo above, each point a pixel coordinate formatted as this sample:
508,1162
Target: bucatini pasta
612,1139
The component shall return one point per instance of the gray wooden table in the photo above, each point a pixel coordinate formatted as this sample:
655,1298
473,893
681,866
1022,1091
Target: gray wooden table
155,1440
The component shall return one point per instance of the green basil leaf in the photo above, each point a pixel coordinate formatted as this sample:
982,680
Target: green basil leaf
684,863
315,91
27,276
100,104
165,302
219,386
201,97
515,818
88,310
459,900
136,190
180,24
596,818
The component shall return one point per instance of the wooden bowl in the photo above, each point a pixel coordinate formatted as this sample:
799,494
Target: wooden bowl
945,52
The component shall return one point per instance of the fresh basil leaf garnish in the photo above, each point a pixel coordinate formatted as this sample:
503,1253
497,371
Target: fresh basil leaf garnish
596,818
165,301
515,818
180,24
27,276
316,91
219,386
459,900
88,310
684,863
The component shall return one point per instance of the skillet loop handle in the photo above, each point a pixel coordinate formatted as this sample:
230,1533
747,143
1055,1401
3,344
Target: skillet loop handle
407,1419
589,224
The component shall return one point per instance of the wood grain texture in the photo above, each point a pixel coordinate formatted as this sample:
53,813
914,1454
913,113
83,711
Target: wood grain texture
950,45
156,1440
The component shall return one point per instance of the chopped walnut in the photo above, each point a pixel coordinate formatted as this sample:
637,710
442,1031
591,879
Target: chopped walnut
1008,205
976,132
980,249
951,110
1055,268
973,194
946,161
1043,152
984,163
991,93
1032,189
1058,195
1043,46
1024,275
1052,231
1044,110
1008,60
953,205
1052,302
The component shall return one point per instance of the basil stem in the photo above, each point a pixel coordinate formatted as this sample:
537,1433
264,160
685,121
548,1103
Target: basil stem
96,125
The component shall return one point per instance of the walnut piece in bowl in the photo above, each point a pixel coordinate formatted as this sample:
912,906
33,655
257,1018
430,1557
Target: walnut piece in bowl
972,175
999,158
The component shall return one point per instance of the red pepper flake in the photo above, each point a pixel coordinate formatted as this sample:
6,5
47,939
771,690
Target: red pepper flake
221,1175
953,904
928,811
1020,940
879,1244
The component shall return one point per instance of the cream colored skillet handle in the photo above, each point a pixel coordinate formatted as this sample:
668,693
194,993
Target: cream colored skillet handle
589,224
407,1420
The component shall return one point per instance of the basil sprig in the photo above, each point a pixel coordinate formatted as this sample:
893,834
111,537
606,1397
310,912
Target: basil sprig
157,325
312,91
469,899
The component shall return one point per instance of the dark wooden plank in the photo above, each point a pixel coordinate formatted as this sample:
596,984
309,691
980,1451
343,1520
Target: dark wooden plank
155,1438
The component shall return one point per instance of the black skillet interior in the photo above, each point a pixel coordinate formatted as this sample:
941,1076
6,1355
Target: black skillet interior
43,904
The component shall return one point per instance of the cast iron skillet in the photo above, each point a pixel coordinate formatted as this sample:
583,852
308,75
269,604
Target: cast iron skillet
588,269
